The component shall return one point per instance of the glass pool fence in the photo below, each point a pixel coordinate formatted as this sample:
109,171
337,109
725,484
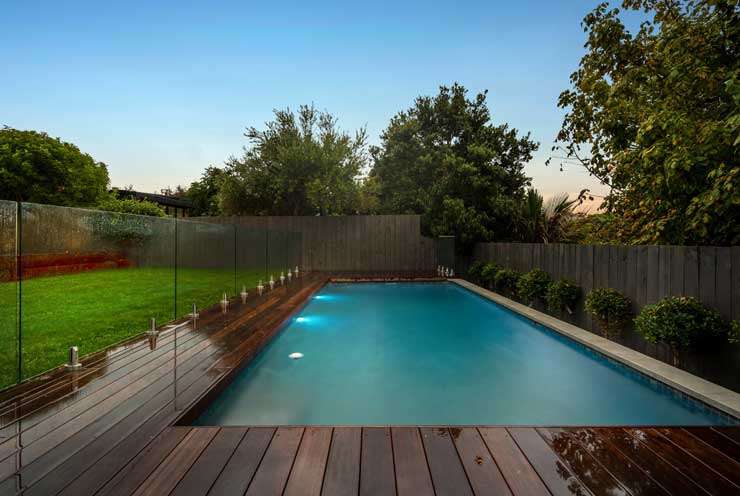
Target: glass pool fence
91,279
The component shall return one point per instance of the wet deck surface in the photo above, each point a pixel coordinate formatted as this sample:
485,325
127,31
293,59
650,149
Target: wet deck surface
108,429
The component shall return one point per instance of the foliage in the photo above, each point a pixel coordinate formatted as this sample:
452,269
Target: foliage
611,309
35,167
596,229
506,280
368,202
680,322
488,273
299,165
562,295
476,269
204,193
444,159
130,206
125,221
533,285
734,333
655,115
544,221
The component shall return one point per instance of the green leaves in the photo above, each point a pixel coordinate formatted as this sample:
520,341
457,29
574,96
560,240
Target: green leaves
680,322
611,309
659,111
533,285
35,167
562,295
444,159
300,164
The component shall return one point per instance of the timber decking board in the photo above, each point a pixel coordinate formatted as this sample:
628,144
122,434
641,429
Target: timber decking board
111,433
448,474
412,471
584,466
483,473
632,477
554,473
377,476
239,470
342,474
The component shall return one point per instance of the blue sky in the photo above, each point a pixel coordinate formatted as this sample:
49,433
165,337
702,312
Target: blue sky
160,90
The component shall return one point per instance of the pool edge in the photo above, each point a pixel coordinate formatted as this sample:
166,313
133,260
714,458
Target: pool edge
712,394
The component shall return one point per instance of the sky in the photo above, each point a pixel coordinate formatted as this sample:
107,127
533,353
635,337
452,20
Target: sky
160,90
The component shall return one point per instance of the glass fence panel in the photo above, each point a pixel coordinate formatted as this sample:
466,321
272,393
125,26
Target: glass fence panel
251,258
206,264
296,250
9,366
278,254
90,279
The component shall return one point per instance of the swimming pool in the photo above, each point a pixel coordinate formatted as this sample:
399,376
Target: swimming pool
437,354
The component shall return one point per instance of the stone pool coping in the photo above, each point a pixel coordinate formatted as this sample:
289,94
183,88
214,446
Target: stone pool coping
712,394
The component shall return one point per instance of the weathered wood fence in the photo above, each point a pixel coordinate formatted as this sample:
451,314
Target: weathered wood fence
645,274
353,243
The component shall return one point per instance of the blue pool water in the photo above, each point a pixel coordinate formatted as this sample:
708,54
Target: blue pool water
435,353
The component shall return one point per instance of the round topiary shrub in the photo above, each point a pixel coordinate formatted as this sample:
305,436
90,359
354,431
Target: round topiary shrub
680,322
474,271
610,308
562,295
488,273
533,285
734,335
506,280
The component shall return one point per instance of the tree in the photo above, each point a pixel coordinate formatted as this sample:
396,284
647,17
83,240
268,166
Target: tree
204,193
655,116
35,167
543,221
299,165
444,159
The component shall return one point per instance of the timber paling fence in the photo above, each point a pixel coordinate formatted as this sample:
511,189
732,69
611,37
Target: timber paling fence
645,274
359,243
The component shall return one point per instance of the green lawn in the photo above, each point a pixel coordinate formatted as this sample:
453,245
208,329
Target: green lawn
95,309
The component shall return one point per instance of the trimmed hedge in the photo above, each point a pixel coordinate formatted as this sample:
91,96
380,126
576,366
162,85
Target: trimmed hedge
611,309
488,273
507,279
562,295
680,322
533,285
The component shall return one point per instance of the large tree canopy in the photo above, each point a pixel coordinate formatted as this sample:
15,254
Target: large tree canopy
37,168
299,165
443,158
655,116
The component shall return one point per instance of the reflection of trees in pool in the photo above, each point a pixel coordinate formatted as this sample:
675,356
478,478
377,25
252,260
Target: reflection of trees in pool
592,457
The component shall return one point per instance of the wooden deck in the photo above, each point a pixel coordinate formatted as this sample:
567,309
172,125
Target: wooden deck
434,460
109,429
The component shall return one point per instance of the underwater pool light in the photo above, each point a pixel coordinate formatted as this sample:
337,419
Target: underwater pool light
301,319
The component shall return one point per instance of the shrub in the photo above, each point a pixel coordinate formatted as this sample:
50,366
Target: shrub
533,285
488,273
506,280
562,295
114,220
734,335
474,271
131,206
680,322
610,308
